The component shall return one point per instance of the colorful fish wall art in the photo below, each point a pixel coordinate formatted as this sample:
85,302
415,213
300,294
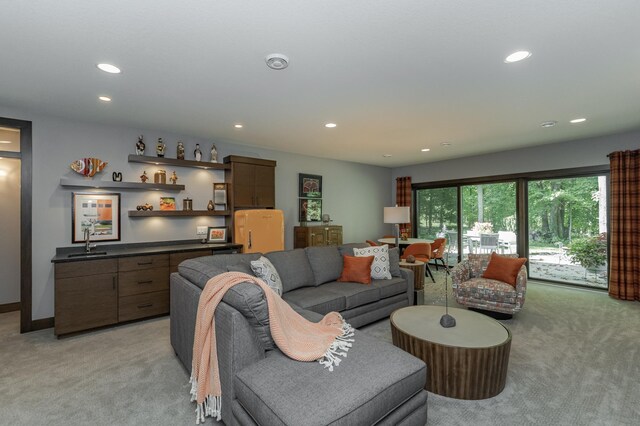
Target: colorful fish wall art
88,166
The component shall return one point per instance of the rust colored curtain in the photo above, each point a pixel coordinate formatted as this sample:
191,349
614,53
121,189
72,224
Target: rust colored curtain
403,199
624,278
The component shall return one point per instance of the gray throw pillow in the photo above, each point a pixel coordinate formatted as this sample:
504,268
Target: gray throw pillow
264,269
394,262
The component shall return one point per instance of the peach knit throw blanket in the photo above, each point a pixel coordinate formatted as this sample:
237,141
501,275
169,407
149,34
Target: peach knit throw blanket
296,337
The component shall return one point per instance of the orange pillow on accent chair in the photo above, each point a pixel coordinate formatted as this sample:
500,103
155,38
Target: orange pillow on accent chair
356,269
504,268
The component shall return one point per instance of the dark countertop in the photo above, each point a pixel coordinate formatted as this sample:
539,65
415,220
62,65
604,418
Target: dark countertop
137,249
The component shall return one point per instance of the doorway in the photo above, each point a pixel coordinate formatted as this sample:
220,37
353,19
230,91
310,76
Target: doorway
16,192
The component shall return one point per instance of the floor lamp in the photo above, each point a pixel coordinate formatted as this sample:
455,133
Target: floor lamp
397,215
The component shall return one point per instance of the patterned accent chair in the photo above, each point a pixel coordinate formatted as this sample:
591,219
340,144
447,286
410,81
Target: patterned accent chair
471,290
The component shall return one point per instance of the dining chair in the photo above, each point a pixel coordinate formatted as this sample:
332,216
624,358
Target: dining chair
438,248
488,242
422,252
371,243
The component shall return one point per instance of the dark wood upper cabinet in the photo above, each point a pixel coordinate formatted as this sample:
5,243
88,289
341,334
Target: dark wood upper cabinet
251,182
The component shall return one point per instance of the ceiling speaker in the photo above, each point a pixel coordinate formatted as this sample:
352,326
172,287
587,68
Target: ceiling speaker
277,61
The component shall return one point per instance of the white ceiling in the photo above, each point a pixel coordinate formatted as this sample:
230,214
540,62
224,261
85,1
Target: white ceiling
396,76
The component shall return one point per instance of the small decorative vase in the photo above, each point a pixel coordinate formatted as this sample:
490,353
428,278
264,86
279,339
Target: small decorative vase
411,259
210,206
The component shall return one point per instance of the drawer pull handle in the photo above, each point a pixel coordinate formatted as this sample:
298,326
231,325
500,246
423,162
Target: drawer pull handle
145,263
145,282
145,305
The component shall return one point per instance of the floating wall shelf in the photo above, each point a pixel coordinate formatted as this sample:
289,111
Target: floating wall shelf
175,162
105,184
152,213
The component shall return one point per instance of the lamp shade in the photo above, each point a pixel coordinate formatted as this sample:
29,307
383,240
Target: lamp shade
396,214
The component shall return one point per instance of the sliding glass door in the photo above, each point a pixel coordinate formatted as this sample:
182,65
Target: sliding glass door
489,218
568,230
437,213
557,219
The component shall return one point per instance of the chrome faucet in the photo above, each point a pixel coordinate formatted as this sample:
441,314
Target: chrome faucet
87,240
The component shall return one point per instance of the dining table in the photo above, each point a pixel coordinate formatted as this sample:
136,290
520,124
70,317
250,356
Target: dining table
406,242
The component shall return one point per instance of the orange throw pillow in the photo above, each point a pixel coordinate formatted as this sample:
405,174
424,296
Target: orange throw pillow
356,269
504,268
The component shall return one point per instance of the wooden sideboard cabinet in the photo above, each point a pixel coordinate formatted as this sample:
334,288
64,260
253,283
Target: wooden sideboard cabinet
102,292
313,236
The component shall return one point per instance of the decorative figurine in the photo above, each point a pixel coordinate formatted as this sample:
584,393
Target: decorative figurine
116,176
144,177
197,153
140,146
210,206
88,166
174,178
160,147
180,155
214,154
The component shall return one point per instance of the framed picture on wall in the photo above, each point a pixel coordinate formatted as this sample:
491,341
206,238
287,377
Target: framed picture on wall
99,213
310,210
310,186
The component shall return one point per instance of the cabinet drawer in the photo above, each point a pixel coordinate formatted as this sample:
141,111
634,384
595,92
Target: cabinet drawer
143,262
177,258
145,281
85,267
143,305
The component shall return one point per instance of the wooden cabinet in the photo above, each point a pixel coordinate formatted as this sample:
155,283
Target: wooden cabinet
86,295
313,236
96,293
251,182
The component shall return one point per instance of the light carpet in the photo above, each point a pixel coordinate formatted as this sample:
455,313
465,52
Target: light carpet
575,360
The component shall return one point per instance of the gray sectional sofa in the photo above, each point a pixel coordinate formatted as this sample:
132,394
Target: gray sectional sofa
376,383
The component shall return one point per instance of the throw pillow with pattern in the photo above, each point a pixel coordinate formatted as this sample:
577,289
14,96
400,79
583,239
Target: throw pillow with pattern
264,269
380,267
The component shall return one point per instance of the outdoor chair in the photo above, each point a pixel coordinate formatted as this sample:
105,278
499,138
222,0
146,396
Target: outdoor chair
507,240
422,252
473,291
488,243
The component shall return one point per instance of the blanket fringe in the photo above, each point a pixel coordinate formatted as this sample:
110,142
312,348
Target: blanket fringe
211,406
338,348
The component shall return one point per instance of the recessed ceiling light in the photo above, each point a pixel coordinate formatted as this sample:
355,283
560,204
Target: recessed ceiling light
386,155
5,141
549,123
445,143
111,69
104,98
238,126
330,125
425,149
578,120
517,56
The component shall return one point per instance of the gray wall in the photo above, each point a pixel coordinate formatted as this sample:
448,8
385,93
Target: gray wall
578,153
10,230
353,194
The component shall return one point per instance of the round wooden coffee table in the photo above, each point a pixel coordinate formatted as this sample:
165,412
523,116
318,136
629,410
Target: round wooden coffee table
468,361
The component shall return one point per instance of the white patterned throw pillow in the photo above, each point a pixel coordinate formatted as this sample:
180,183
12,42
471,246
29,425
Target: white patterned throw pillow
380,266
264,269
